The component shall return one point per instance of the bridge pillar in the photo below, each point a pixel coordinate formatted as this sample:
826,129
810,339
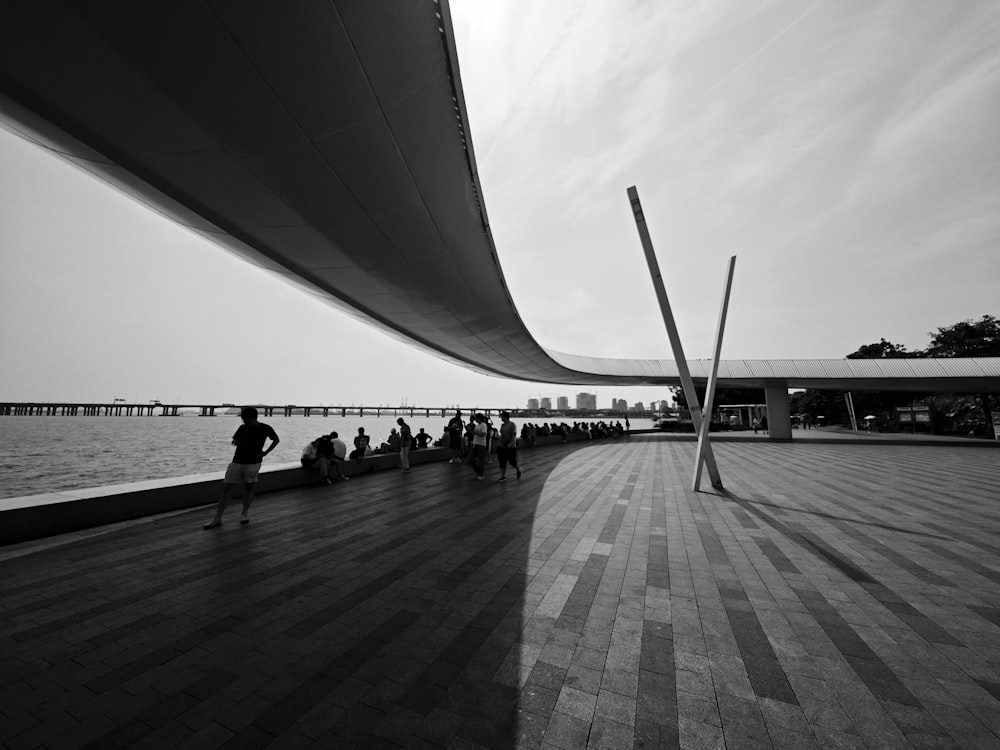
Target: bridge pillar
779,415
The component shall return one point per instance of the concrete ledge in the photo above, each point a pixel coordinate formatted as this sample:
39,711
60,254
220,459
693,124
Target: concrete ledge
38,516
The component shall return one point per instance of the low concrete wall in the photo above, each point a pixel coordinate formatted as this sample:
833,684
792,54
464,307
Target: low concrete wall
39,516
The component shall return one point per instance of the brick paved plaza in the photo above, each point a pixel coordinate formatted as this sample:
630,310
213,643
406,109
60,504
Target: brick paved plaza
835,596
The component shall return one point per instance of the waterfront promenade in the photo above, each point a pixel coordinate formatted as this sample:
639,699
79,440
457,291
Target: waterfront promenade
841,594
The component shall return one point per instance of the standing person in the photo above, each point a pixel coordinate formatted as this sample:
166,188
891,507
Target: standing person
479,447
507,447
456,426
405,443
249,440
470,433
628,428
490,435
422,439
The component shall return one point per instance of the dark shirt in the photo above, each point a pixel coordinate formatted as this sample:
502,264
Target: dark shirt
422,439
324,447
249,440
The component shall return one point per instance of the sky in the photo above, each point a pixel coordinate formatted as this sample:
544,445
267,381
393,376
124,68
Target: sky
847,152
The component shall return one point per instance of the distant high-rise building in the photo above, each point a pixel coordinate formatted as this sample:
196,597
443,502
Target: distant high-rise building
546,403
586,401
533,404
638,406
562,403
620,404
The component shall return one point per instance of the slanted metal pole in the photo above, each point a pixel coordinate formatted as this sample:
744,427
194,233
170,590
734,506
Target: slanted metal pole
849,399
713,375
675,340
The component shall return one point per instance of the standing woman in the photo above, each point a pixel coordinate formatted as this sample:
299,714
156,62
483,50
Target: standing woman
479,447
507,447
455,429
405,442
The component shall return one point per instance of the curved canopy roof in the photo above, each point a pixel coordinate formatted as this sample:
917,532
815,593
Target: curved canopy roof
328,143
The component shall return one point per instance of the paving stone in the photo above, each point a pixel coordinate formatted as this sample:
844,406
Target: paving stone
567,732
606,734
576,703
697,736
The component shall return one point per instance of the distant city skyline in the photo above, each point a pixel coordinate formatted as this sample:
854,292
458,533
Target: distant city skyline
590,402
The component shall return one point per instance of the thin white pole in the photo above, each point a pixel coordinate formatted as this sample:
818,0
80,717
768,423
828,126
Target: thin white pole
713,376
675,340
850,410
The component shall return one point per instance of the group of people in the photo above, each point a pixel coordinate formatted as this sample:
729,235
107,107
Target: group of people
395,443
325,452
473,440
760,425
590,430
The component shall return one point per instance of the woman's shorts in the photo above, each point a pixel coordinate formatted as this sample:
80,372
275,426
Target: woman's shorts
241,473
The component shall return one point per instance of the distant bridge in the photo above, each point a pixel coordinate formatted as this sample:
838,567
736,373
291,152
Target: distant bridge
120,409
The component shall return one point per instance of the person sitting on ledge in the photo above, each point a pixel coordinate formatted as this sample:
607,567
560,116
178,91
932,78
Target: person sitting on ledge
362,445
339,454
392,442
310,455
422,439
326,457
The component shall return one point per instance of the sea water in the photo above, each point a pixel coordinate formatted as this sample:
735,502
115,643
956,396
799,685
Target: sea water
51,453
